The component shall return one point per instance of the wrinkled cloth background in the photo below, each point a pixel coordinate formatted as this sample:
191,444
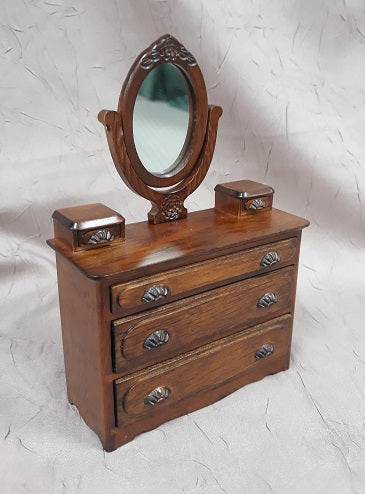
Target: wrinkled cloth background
290,78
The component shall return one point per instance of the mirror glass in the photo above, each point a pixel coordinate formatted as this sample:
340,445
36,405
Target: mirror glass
161,119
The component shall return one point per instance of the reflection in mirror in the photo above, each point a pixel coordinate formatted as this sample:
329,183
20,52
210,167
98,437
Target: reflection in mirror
161,119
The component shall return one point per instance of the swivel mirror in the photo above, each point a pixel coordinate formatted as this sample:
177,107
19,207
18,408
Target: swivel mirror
163,134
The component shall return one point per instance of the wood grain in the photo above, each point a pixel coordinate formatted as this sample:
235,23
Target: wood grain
127,297
189,377
196,320
195,157
236,197
150,249
74,226
84,347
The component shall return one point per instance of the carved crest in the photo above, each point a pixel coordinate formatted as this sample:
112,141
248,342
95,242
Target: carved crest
168,50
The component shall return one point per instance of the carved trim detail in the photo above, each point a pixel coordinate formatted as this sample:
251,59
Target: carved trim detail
100,237
167,50
172,206
156,339
270,259
267,300
257,204
155,293
265,351
157,395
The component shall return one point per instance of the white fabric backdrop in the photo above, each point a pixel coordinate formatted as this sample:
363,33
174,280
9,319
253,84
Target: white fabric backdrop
290,77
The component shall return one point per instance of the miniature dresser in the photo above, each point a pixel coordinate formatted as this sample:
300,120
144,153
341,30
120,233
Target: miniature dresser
164,317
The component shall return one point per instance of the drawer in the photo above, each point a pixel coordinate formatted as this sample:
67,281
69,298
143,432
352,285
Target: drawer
136,296
142,340
198,378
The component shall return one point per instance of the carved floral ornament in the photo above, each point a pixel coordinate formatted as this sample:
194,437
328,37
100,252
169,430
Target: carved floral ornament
167,50
172,206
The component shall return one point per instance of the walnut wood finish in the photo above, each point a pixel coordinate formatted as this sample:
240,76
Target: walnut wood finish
127,298
197,320
196,155
77,225
85,282
166,49
243,197
150,249
244,189
84,347
164,317
230,361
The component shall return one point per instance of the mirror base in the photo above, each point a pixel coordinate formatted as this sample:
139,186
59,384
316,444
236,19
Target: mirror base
171,208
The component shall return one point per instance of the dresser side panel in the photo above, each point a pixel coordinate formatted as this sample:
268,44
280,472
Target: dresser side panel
83,345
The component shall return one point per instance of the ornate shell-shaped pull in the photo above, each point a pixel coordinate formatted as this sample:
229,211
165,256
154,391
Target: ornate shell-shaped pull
257,204
155,339
270,259
100,236
267,300
157,395
156,292
265,351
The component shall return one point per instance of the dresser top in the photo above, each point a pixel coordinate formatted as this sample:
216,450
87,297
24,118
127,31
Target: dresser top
203,235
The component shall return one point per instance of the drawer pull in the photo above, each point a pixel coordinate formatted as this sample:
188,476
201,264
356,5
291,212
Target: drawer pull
267,300
270,259
156,292
157,395
155,339
100,236
257,204
265,351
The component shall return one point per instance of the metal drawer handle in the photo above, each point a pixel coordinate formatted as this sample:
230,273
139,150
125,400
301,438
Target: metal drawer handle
100,237
267,300
270,259
265,351
156,292
157,395
155,339
257,204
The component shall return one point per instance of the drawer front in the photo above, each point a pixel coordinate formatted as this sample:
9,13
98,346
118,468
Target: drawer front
142,340
135,296
159,393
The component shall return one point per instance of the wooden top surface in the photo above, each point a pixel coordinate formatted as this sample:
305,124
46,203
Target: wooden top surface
87,216
244,189
206,234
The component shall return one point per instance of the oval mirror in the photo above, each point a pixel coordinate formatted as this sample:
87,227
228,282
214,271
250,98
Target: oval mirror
161,120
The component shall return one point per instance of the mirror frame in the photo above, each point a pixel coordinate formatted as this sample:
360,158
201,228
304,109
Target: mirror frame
197,152
166,50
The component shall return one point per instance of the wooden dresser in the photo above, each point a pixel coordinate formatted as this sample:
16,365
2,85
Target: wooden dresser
176,316
164,317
